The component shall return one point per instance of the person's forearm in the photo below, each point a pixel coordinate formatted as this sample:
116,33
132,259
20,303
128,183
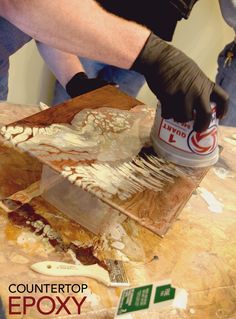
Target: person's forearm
80,27
63,65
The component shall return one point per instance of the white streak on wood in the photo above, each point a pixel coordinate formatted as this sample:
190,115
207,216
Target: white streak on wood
213,204
123,180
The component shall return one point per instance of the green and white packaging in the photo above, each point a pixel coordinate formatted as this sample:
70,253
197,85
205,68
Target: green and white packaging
151,297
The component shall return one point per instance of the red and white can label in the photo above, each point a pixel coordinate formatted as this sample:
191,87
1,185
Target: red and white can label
203,143
182,136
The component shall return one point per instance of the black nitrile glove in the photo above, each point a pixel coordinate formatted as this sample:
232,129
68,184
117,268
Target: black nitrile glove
81,84
179,84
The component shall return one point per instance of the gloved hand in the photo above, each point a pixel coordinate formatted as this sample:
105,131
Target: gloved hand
179,84
80,84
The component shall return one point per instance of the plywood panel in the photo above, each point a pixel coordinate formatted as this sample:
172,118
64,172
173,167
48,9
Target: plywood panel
198,253
153,209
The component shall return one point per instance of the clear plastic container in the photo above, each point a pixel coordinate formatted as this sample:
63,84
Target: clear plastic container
79,205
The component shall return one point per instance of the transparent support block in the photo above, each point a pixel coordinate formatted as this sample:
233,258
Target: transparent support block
79,205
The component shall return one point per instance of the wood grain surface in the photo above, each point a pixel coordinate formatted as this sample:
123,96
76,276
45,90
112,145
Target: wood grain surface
18,171
154,210
198,253
107,96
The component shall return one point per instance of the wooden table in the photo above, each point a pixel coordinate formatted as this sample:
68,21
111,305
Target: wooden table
198,253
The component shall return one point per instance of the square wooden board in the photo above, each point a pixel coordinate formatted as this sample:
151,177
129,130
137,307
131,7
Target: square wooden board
154,210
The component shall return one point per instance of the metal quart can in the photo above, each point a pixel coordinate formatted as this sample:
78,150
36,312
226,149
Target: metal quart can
180,144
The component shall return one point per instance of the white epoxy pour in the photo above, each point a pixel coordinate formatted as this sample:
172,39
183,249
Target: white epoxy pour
214,205
231,141
125,179
73,257
118,245
222,173
107,135
104,134
25,238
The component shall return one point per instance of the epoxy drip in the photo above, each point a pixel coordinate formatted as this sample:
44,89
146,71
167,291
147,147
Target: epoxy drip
25,216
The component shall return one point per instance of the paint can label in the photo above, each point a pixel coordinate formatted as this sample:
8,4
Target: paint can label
181,136
179,143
